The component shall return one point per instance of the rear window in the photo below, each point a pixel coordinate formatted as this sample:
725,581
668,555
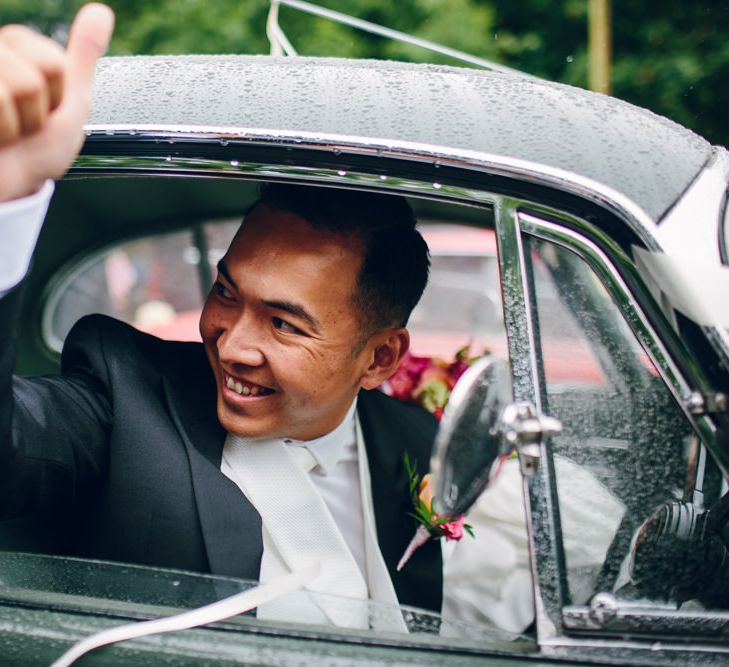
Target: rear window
159,283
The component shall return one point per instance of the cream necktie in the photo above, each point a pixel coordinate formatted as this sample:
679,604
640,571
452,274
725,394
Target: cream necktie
298,522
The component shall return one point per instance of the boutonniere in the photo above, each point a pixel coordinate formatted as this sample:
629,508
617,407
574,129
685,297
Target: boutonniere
431,525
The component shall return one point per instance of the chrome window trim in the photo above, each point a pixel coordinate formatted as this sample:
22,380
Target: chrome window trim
542,514
597,193
628,616
623,651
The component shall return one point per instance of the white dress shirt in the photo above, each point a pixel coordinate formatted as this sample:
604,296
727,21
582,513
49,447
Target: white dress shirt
336,478
20,224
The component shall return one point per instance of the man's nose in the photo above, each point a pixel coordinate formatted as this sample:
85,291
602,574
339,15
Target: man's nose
239,345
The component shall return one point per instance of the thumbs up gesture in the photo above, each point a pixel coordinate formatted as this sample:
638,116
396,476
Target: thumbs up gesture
45,94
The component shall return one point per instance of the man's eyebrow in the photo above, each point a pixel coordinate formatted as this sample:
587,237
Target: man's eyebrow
223,270
295,309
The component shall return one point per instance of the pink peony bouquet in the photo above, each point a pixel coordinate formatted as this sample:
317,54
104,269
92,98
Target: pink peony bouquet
428,381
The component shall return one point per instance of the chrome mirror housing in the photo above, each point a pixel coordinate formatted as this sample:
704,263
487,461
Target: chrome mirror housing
469,445
481,426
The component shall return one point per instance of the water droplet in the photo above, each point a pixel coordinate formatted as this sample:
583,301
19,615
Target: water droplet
224,142
168,158
437,186
570,59
234,163
383,177
342,172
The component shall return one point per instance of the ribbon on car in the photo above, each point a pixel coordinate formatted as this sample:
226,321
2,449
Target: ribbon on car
217,611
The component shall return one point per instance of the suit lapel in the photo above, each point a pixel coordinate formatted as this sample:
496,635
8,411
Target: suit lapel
390,429
231,527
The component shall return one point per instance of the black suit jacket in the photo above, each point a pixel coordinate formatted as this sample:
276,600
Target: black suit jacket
126,443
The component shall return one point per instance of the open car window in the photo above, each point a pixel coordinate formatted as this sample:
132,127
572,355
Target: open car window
155,275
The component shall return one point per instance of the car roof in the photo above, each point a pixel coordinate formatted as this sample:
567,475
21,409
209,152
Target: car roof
444,110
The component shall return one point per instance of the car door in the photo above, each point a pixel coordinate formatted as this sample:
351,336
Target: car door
624,551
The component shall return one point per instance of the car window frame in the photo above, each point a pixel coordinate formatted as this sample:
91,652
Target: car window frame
606,617
410,187
410,175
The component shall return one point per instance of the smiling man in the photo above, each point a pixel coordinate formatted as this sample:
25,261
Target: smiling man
256,452
287,329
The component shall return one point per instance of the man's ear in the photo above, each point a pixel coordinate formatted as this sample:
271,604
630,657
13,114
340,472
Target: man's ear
386,349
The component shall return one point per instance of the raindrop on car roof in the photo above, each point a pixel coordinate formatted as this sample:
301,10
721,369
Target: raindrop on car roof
450,108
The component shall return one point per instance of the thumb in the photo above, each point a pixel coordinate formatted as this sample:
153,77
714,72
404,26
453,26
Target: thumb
87,42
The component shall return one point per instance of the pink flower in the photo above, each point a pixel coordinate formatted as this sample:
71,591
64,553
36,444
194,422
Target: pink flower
407,377
453,530
427,381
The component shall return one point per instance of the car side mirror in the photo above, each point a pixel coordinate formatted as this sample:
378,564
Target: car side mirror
482,426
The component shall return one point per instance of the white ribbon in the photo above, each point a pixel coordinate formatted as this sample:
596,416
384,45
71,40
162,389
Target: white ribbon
217,611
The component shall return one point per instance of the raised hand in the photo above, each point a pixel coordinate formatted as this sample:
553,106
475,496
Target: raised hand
45,94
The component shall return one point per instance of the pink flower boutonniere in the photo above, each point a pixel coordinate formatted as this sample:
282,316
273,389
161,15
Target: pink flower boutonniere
431,525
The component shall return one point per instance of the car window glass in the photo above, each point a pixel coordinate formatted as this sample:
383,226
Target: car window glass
632,513
152,283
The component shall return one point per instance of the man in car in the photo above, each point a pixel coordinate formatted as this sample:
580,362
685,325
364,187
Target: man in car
262,449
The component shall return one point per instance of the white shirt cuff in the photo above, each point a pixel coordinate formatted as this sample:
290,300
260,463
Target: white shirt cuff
20,224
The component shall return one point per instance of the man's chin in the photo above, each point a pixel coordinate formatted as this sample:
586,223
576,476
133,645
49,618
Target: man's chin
245,426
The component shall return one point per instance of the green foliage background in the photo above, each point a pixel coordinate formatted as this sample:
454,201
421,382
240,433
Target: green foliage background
671,56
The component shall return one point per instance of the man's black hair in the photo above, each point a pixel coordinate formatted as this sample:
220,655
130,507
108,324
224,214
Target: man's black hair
395,262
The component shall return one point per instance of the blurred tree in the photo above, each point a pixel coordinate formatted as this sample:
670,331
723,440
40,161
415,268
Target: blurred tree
671,57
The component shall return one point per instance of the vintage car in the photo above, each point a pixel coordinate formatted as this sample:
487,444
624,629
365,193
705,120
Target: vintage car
603,316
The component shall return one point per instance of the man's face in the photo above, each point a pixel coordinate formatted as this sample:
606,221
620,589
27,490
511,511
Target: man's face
280,328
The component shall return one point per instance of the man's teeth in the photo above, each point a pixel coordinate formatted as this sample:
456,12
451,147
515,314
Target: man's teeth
245,390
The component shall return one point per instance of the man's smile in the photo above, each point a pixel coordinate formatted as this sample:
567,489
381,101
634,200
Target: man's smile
245,388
